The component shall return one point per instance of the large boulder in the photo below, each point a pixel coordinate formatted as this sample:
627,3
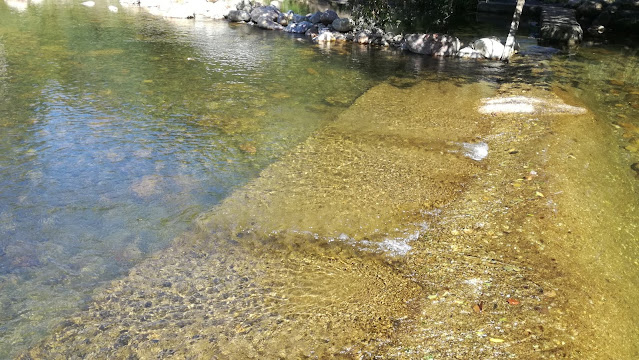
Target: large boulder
238,16
489,48
433,44
343,25
264,12
266,24
315,18
328,17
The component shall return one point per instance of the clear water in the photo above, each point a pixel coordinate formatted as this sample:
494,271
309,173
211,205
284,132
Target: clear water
119,130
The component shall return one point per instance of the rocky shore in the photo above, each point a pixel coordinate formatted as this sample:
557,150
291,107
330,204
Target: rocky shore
320,27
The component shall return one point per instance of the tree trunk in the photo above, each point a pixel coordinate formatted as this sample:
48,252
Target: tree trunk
510,41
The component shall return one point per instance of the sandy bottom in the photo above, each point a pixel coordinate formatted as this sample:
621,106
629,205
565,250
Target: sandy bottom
385,235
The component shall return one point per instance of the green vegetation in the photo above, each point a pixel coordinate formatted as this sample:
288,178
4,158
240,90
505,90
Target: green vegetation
410,15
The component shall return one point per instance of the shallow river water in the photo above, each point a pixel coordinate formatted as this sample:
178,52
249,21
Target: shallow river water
209,190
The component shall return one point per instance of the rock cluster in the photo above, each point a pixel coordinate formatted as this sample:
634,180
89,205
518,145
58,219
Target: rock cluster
327,26
321,27
603,16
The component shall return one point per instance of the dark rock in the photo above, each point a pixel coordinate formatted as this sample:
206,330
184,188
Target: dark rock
123,340
342,25
299,28
558,25
312,31
590,8
266,24
328,16
238,16
315,18
264,12
298,18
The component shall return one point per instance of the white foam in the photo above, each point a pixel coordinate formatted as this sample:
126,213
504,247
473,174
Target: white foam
476,151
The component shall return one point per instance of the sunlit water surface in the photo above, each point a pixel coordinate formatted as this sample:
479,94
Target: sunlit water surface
118,130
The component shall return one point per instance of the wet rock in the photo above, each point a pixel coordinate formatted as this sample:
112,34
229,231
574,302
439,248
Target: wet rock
299,28
328,17
433,44
238,16
343,24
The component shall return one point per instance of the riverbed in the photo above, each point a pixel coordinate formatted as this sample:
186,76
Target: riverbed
204,189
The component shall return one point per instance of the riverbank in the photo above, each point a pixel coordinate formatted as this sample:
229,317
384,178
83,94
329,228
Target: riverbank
323,27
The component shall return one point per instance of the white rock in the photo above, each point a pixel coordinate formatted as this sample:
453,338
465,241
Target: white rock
89,3
489,48
113,9
469,53
276,4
